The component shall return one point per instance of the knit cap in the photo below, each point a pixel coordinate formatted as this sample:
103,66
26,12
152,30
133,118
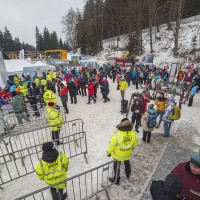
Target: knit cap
195,160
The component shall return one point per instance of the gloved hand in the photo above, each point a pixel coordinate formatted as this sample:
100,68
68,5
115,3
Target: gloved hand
108,155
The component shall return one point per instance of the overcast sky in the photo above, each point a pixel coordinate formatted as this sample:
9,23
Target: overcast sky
22,16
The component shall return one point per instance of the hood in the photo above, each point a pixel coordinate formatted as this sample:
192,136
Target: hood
151,111
173,185
188,169
50,155
125,126
161,99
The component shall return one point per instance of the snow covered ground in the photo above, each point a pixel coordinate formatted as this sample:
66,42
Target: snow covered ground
100,120
163,48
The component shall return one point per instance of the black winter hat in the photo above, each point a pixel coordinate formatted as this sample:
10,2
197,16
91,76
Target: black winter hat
61,84
14,93
173,185
48,146
124,119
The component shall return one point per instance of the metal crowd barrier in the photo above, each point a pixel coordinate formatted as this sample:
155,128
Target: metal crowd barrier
36,122
84,186
26,149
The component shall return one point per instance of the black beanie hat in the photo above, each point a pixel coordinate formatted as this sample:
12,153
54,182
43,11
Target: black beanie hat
124,119
47,146
173,185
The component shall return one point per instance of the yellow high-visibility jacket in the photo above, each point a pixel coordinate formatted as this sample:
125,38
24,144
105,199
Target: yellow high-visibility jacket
49,96
49,78
54,75
23,90
122,144
123,85
16,80
53,172
54,118
37,81
43,82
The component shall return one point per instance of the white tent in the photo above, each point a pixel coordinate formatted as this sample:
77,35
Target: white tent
16,66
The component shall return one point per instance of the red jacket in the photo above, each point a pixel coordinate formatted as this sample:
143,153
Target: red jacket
90,88
191,182
145,102
63,91
76,82
6,96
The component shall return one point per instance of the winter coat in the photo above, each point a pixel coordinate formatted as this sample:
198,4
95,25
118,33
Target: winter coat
90,88
161,103
158,192
76,82
82,82
72,88
17,103
145,120
133,74
137,78
168,112
145,101
123,85
63,94
134,108
13,88
105,86
194,90
128,76
6,96
191,182
117,78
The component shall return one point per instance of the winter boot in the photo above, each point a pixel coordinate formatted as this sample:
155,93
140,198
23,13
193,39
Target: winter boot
67,111
137,130
112,180
105,100
88,103
108,99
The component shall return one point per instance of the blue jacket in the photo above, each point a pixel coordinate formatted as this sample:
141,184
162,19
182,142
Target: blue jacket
12,88
133,73
194,90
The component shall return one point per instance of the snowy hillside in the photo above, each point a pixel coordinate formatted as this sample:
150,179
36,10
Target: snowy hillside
163,47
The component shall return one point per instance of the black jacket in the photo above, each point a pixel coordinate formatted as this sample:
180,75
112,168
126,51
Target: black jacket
158,192
72,88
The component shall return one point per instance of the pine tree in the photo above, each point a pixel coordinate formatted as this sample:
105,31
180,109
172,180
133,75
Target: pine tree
61,44
46,39
1,41
8,40
37,38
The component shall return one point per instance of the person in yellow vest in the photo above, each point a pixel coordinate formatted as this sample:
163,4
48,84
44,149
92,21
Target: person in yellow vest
37,81
48,77
54,75
52,168
49,96
16,80
55,121
43,85
23,89
121,145
123,86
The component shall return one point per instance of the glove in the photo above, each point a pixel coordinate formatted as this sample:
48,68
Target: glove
108,155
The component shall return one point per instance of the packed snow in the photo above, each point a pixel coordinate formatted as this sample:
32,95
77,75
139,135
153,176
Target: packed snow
100,120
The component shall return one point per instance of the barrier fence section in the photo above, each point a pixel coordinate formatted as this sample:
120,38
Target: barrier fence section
83,186
26,150
35,122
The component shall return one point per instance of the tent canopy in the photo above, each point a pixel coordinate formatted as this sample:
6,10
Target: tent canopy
16,66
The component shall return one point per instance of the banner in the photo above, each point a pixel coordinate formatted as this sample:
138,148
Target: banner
3,72
21,55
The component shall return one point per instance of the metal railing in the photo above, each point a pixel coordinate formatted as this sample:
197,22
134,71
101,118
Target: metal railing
83,186
26,148
35,122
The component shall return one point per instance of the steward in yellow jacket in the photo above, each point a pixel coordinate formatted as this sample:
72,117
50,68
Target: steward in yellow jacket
23,89
16,80
37,81
43,85
48,77
121,145
55,121
49,96
52,169
54,75
123,85
161,103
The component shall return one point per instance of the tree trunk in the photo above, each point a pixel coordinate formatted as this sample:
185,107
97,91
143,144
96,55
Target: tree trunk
150,25
178,22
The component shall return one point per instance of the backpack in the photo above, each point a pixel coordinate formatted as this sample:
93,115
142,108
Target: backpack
151,122
176,114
